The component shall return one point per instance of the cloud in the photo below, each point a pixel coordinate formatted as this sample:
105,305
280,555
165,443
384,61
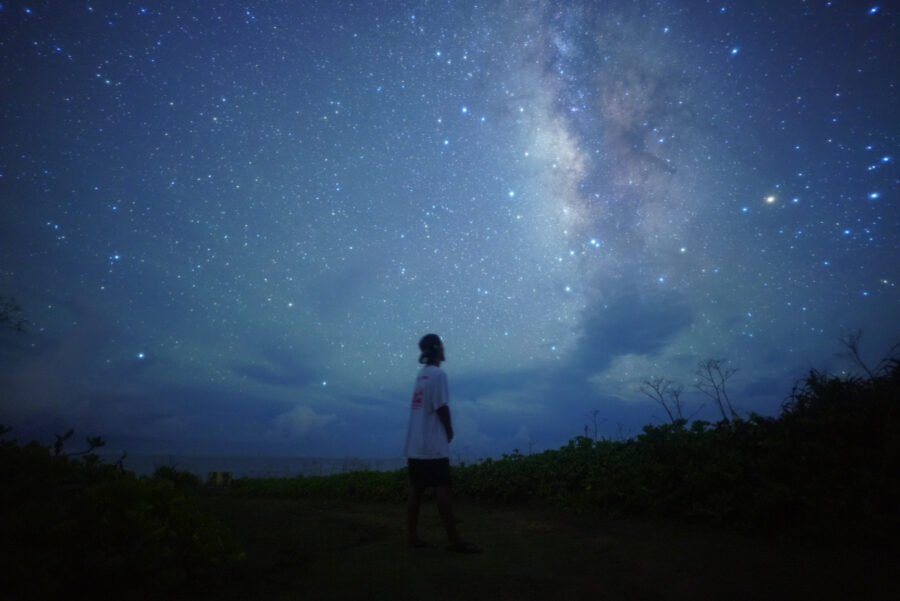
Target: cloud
273,376
44,376
278,366
632,323
300,422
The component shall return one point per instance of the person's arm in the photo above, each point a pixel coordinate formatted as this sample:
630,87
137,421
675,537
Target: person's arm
443,414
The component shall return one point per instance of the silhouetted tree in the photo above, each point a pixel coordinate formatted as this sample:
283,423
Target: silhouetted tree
713,374
93,442
668,396
850,340
596,420
663,393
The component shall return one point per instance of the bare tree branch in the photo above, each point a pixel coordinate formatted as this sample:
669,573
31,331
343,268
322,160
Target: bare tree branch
657,389
699,409
713,374
675,397
594,416
93,442
850,340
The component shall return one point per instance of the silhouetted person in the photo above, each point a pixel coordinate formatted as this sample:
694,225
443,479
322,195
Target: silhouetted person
427,445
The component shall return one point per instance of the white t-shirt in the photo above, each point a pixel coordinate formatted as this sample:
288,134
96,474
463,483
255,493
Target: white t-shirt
426,437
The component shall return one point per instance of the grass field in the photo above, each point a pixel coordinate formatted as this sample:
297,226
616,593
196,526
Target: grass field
318,550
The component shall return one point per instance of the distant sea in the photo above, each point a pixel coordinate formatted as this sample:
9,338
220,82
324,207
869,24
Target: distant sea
257,467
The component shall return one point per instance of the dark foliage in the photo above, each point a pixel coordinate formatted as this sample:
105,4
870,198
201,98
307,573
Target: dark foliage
828,465
353,486
82,528
185,481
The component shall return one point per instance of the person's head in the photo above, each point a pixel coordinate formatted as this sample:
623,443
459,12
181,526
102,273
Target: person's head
432,349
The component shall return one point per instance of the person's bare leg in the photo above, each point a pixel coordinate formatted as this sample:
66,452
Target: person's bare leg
445,508
412,515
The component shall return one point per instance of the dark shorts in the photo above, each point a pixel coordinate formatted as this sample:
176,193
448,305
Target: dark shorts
424,473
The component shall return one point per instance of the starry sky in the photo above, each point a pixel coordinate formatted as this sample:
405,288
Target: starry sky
228,224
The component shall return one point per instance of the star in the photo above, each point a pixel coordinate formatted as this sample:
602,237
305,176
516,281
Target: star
613,198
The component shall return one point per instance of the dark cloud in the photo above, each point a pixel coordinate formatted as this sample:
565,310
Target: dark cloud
633,323
183,418
486,383
280,368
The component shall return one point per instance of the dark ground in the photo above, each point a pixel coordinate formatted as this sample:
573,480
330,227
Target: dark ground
316,550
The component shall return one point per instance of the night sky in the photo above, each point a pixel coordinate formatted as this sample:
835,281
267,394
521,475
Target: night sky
228,224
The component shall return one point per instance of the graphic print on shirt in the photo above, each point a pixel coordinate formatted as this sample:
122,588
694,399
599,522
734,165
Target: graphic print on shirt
418,393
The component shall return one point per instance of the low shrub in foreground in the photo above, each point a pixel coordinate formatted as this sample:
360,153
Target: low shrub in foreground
84,528
827,465
366,486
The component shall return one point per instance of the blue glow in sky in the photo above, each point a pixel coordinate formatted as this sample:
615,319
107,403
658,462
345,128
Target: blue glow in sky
230,224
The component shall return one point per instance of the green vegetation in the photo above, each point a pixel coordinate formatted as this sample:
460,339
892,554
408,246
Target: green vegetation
827,465
80,526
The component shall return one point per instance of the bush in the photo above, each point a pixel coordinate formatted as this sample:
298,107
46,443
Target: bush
366,485
71,526
826,465
181,480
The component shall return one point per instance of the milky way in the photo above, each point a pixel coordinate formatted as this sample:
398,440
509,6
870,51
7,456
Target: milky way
228,225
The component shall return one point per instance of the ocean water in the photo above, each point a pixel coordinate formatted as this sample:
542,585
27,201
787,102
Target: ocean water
257,467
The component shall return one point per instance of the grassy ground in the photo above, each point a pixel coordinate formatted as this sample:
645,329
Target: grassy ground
299,550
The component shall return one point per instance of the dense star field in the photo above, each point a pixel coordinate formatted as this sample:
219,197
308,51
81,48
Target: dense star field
228,224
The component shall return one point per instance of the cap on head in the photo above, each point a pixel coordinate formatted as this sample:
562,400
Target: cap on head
430,345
